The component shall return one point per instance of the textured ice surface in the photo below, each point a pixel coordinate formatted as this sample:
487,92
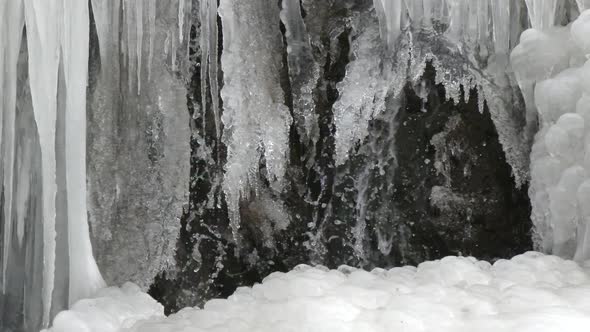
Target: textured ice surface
138,137
531,292
553,61
255,118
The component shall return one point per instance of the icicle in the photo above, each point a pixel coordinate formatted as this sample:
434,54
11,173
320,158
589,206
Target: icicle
483,26
390,15
131,38
209,56
84,277
457,16
102,14
415,11
43,46
428,6
204,42
11,30
501,28
583,5
541,13
139,42
213,64
439,10
472,27
181,20
303,70
152,33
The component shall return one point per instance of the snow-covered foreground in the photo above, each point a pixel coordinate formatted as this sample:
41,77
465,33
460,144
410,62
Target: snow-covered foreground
531,292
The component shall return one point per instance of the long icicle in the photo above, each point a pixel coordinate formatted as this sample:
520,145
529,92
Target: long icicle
12,30
43,45
85,278
209,57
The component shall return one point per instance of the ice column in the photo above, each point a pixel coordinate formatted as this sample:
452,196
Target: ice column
43,45
57,37
84,275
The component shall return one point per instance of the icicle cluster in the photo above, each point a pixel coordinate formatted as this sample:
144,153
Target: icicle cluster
549,62
57,41
362,91
256,120
480,25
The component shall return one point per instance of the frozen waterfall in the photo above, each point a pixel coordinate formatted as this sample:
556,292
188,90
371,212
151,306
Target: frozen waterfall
151,141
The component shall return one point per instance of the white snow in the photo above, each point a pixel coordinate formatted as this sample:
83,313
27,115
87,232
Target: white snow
531,292
110,309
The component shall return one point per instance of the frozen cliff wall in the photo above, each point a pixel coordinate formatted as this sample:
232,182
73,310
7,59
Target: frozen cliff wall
138,136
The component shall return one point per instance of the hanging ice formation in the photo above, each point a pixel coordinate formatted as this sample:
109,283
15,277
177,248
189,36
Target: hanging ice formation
303,70
57,43
255,118
46,258
478,36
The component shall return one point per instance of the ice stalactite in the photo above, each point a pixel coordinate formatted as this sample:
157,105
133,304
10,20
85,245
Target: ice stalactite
84,277
43,45
501,23
11,30
57,46
209,60
303,70
542,13
362,92
482,33
390,15
256,120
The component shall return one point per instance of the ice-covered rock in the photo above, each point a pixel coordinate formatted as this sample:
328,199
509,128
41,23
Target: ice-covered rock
560,150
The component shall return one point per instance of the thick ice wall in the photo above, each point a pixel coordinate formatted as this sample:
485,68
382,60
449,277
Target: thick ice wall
559,169
138,137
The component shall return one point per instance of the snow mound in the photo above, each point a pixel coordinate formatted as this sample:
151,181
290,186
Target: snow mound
531,292
109,310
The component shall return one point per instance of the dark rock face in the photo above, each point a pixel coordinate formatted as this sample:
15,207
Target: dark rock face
454,189
429,180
